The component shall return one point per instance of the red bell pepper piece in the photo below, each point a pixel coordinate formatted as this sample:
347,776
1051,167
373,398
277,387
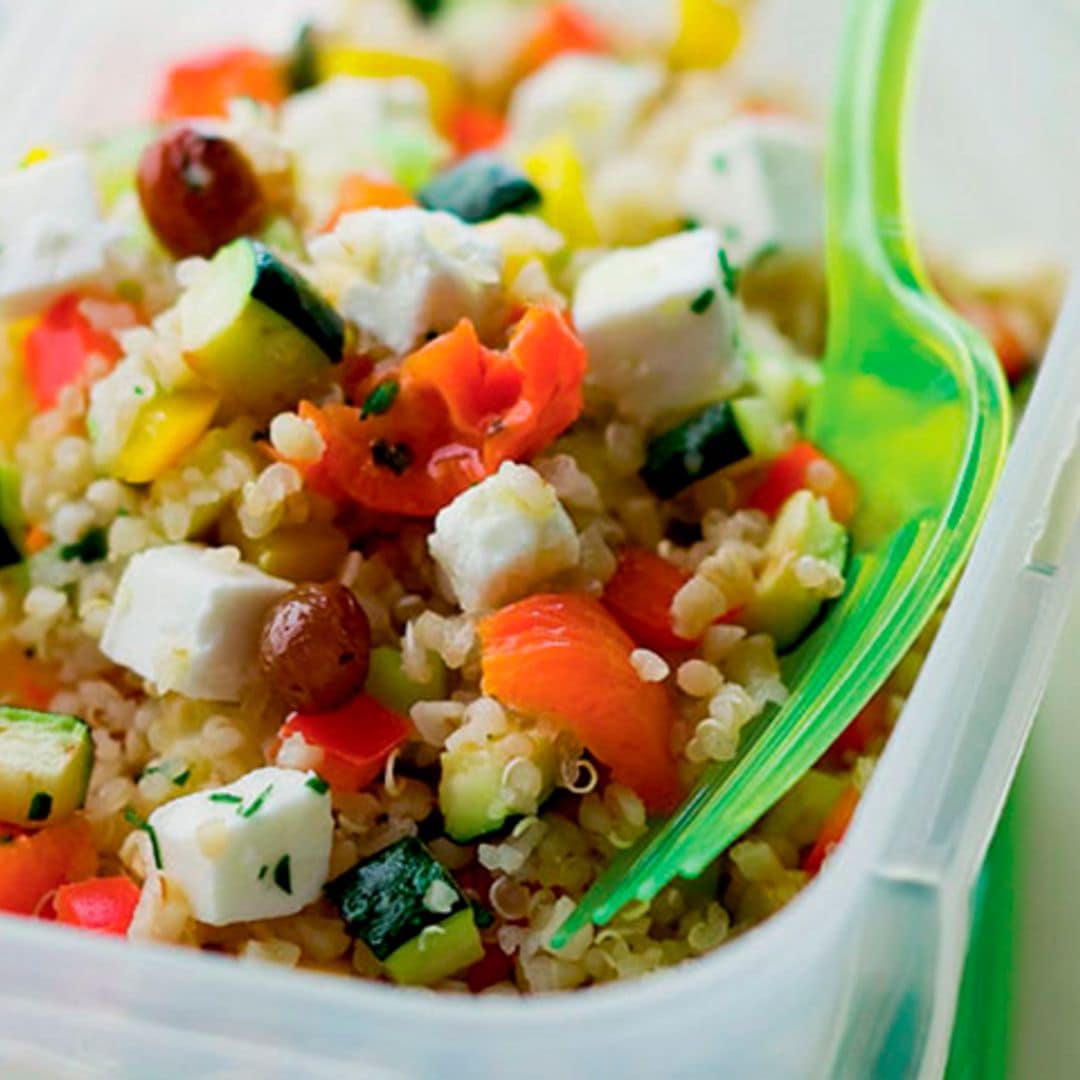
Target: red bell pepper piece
475,127
459,412
495,967
639,595
203,85
356,740
105,905
868,727
803,466
57,349
562,28
32,865
832,832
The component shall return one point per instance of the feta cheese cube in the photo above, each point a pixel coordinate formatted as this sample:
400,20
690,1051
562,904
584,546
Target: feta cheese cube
187,619
52,238
759,182
500,539
256,849
350,124
659,326
398,274
595,101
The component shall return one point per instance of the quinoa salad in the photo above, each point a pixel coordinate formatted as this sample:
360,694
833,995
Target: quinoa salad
404,493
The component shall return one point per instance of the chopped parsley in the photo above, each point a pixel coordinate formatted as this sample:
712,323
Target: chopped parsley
283,874
380,399
141,823
720,162
481,916
256,804
317,784
225,797
732,233
731,274
703,301
180,779
263,871
688,224
426,9
40,807
765,252
92,548
397,457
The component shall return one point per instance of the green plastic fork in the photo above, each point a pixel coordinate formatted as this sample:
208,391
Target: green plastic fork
914,407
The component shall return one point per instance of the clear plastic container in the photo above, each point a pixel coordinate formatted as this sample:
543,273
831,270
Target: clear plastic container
857,977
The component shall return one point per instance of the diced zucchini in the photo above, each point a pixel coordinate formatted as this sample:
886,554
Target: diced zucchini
437,953
786,382
45,761
388,683
166,427
256,330
762,429
11,523
801,813
473,797
481,187
396,901
781,604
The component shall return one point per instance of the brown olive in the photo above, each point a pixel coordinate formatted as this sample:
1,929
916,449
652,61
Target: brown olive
198,191
316,647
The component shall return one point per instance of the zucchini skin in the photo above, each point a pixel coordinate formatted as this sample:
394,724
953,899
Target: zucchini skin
478,189
287,294
381,899
708,441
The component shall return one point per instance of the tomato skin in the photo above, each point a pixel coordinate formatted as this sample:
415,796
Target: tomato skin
32,865
356,740
794,470
202,85
59,347
101,905
475,127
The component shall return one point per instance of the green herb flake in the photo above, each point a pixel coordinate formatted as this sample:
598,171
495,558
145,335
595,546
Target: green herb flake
256,804
142,824
380,399
720,162
481,916
397,457
283,874
767,251
180,779
225,797
703,301
732,233
92,548
317,784
730,273
263,871
40,807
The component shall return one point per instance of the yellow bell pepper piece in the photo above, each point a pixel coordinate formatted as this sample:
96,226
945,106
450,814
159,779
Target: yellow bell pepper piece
554,167
166,427
311,551
16,405
34,155
708,32
438,79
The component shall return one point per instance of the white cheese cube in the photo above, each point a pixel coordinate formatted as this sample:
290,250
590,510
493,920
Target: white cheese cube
256,849
399,274
759,182
52,238
659,326
500,539
188,618
350,124
593,100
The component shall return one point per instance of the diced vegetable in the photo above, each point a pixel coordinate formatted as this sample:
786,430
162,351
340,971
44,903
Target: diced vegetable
167,427
25,680
869,728
801,814
258,331
561,28
786,382
32,865
475,127
640,595
355,739
388,683
479,188
59,347
360,191
16,401
707,35
103,905
461,410
302,72
698,447
555,168
204,85
833,831
477,793
45,762
309,552
410,912
11,518
785,601
256,849
801,467
565,659
198,191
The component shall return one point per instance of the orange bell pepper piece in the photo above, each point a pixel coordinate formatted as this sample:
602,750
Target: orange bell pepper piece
204,84
32,865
